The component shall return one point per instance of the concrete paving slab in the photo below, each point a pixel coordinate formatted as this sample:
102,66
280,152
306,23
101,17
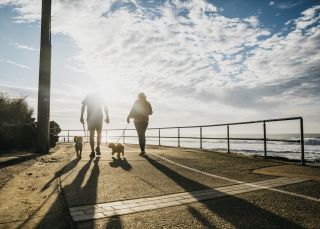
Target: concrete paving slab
178,199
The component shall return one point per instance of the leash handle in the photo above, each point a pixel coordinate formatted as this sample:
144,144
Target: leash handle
123,132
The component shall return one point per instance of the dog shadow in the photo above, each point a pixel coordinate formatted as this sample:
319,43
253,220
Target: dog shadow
120,162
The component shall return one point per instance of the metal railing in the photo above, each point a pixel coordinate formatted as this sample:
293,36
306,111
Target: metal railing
201,138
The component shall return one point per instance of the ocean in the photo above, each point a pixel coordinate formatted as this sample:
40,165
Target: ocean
287,150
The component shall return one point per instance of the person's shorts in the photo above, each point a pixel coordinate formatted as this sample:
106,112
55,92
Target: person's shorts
95,124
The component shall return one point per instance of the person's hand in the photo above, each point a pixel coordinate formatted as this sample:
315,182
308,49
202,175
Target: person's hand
128,120
82,120
107,120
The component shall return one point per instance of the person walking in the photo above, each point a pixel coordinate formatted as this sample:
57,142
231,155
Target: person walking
94,103
140,113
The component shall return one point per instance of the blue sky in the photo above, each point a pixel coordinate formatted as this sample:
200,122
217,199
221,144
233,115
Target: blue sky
199,62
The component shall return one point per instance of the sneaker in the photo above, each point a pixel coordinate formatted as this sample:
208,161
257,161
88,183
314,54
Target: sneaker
98,151
92,154
142,153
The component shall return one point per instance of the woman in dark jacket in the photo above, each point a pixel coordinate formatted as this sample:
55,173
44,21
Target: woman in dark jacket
140,113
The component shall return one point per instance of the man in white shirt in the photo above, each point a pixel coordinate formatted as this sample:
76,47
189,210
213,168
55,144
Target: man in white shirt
94,103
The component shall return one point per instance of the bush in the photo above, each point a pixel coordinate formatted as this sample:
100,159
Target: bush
17,127
17,136
14,110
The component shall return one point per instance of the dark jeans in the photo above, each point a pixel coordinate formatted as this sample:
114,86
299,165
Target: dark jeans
141,128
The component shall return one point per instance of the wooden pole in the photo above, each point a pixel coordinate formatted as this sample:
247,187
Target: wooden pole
43,130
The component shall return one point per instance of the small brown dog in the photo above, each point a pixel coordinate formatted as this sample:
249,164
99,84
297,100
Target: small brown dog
116,148
78,146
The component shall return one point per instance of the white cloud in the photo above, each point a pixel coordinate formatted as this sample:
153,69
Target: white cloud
23,46
285,5
16,87
308,18
184,52
283,57
15,64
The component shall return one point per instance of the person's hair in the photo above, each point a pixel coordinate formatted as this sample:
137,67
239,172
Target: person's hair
141,95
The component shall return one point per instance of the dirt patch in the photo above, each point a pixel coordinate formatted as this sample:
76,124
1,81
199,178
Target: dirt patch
29,192
291,171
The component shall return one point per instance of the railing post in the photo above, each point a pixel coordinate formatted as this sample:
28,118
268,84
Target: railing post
264,139
302,141
178,137
159,137
228,139
68,135
106,136
124,136
200,137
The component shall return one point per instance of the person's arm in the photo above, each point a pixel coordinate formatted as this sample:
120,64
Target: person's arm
83,108
131,113
150,109
107,114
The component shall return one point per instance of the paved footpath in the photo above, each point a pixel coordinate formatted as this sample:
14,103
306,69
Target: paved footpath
186,188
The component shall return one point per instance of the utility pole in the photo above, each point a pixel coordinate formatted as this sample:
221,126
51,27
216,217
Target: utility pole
43,130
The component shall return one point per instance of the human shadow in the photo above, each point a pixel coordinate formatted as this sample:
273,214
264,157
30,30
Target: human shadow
120,162
89,191
200,217
89,196
114,223
65,169
58,215
238,212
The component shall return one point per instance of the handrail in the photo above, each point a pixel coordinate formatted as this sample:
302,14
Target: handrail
212,125
228,138
230,124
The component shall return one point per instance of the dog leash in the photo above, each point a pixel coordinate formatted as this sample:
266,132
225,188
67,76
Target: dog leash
84,131
123,132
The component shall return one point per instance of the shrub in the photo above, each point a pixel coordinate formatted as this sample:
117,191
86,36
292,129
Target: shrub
17,136
14,110
17,127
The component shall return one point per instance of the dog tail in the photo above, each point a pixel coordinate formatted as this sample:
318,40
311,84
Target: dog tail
75,139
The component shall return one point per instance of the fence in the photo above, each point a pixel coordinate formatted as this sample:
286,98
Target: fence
200,137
